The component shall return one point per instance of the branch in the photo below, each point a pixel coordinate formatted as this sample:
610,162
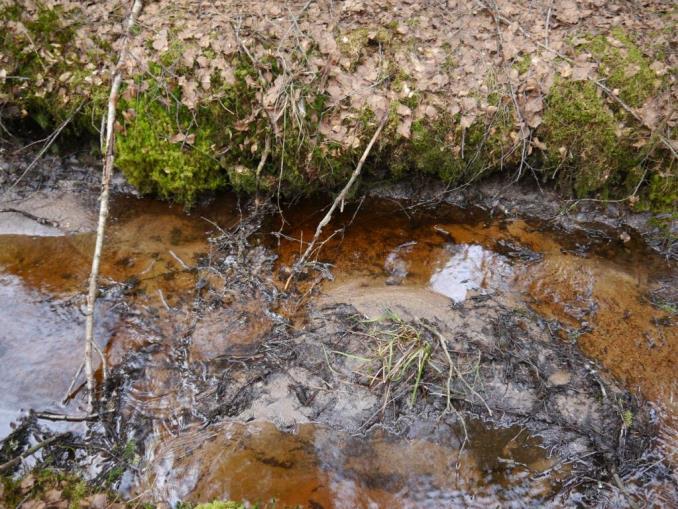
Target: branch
109,158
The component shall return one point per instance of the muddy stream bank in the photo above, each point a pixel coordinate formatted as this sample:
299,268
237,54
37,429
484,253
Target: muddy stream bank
429,357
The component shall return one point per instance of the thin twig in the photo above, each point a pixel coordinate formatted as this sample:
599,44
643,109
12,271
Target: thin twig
548,24
260,167
48,416
69,392
181,262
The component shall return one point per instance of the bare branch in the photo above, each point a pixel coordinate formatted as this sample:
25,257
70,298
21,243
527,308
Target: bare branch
109,158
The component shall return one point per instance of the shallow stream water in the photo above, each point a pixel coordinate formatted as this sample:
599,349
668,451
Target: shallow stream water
597,288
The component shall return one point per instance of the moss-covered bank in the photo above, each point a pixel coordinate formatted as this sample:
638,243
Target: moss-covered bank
183,131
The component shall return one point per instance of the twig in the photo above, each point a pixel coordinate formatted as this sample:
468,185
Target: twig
37,219
109,159
181,262
48,416
548,24
622,488
260,167
69,392
162,299
339,199
31,451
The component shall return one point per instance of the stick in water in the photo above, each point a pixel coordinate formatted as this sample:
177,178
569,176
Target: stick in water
109,159
339,200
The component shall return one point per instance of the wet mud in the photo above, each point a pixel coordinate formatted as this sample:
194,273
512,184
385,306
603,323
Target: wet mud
543,367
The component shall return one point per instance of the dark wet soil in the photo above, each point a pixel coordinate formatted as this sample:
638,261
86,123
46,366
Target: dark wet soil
232,388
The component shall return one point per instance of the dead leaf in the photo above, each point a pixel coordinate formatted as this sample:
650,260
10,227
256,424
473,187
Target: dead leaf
582,72
160,41
27,483
565,70
467,121
404,126
183,138
650,115
538,143
568,11
189,93
659,68
403,110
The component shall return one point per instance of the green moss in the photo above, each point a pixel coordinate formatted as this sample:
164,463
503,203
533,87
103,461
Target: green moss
523,64
73,489
580,133
435,148
661,194
154,161
430,151
221,505
624,66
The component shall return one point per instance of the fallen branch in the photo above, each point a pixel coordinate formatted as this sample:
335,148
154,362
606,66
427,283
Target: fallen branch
260,167
37,219
339,200
15,461
109,158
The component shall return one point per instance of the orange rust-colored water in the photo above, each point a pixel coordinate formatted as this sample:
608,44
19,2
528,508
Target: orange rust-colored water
602,283
318,467
41,330
140,239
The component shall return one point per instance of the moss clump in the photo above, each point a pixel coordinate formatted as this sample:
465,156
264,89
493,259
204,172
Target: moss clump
353,43
162,151
624,66
429,151
661,194
523,65
71,488
436,148
580,133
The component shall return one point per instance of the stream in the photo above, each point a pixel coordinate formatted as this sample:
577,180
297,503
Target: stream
232,389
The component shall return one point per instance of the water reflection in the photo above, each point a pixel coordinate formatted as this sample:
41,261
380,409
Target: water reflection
470,268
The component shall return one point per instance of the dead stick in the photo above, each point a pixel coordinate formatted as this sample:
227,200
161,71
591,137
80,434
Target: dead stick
47,416
339,199
109,159
32,450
